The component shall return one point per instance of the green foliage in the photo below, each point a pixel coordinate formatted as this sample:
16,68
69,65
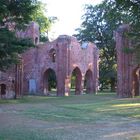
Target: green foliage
10,47
128,50
137,55
133,8
14,15
44,37
99,24
52,80
40,16
73,78
18,12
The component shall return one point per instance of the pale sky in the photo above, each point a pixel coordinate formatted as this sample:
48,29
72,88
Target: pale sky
69,14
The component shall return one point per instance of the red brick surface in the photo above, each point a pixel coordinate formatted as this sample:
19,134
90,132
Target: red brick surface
69,55
128,78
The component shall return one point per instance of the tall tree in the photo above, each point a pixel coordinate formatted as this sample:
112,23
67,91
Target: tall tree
99,23
14,15
133,8
45,23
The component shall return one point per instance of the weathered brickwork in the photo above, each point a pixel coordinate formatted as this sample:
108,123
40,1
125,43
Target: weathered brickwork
32,31
63,56
69,56
128,73
7,88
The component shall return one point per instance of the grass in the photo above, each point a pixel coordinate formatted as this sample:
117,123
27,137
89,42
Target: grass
83,117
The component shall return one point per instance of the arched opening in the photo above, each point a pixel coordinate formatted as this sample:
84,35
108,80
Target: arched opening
76,79
2,89
52,54
50,82
88,82
36,40
136,82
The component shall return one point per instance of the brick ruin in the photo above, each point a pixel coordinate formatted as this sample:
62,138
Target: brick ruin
128,73
62,57
11,81
7,88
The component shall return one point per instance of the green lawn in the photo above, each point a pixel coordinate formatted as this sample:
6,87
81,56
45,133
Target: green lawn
83,117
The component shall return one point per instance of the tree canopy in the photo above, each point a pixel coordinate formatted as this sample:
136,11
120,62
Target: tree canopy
133,8
99,24
15,15
44,22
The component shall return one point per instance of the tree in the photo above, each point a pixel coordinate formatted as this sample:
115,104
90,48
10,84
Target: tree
17,11
10,47
44,22
133,8
99,23
15,15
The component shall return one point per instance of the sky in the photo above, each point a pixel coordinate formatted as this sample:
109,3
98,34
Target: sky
69,14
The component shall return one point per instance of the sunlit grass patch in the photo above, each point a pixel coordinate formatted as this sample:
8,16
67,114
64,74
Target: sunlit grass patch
136,116
89,116
135,137
128,105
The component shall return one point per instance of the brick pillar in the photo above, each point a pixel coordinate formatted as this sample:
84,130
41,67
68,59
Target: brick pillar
139,81
82,84
67,85
19,79
68,76
95,71
124,63
136,82
61,67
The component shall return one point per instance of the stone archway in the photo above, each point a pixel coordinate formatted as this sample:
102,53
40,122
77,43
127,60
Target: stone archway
136,82
76,79
88,83
2,90
49,81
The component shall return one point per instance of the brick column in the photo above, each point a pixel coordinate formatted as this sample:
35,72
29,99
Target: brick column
67,85
82,84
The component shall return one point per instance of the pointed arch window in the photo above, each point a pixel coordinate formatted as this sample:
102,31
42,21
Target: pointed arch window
52,54
36,40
